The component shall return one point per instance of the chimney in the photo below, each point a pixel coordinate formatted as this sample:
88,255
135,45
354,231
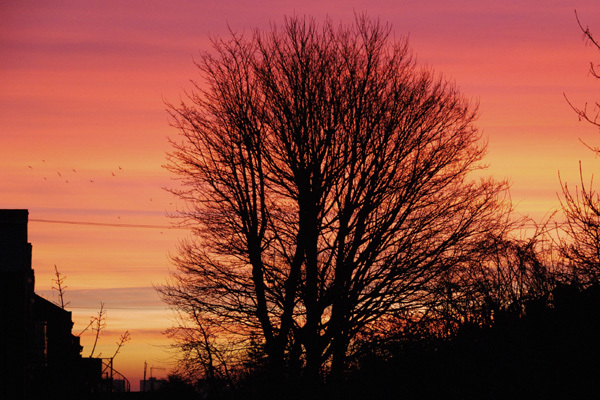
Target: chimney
15,251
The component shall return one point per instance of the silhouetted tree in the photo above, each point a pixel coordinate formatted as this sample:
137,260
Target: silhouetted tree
581,245
204,352
124,338
584,113
327,183
97,324
581,206
60,287
507,276
177,387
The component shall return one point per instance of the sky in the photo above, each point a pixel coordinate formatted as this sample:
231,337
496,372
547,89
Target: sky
84,131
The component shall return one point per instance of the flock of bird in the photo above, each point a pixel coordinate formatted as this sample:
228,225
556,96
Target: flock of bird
64,174
60,175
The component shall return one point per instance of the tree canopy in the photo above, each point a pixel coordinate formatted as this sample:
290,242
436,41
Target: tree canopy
329,183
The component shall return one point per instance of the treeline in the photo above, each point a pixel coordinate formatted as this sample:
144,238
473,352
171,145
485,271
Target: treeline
519,321
519,327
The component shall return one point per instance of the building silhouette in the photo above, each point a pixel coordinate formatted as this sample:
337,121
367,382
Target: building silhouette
39,355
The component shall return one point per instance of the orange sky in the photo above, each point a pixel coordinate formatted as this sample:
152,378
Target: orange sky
83,125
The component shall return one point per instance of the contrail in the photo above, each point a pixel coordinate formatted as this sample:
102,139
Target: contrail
105,224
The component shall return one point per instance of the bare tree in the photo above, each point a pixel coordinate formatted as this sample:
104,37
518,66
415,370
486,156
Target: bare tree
97,324
581,206
508,275
585,113
580,244
328,181
124,338
60,287
204,352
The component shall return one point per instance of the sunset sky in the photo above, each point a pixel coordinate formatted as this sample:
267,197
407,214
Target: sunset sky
83,126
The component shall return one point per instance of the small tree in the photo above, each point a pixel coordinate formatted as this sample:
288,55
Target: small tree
60,287
124,338
327,182
98,323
